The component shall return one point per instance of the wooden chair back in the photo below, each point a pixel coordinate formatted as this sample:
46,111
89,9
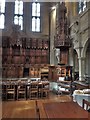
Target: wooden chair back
33,91
86,104
10,90
21,90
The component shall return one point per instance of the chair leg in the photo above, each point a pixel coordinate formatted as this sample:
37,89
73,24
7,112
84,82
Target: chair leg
17,95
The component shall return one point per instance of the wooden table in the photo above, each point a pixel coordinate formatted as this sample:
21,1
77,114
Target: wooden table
65,111
81,85
19,110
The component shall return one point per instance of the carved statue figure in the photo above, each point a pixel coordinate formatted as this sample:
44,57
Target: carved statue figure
57,54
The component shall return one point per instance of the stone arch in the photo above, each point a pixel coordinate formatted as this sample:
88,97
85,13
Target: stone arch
83,53
75,64
86,55
75,53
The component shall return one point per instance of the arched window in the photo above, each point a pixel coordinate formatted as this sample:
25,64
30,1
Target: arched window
18,13
2,14
82,5
35,17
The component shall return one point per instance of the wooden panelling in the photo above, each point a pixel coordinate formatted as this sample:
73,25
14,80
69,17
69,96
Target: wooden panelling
39,44
64,56
6,51
34,43
22,59
27,51
60,71
0,51
30,51
52,73
45,44
20,70
32,60
38,60
31,72
23,42
44,52
4,72
44,59
38,52
16,60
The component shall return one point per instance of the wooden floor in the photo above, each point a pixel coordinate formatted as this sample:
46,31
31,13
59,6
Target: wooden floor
27,108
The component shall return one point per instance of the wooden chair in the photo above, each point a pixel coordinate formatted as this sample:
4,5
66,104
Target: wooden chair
33,90
3,89
21,90
86,105
44,90
10,91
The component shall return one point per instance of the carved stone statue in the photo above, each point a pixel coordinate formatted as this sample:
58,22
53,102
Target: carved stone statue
57,54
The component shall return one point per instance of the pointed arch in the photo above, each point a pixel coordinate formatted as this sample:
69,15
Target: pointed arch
83,53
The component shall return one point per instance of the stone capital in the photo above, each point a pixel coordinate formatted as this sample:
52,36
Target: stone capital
81,58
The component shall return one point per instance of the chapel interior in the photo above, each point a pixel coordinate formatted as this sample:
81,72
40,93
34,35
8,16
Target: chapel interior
44,58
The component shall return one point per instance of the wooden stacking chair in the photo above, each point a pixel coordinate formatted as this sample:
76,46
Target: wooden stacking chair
3,89
10,91
33,90
86,105
21,90
44,90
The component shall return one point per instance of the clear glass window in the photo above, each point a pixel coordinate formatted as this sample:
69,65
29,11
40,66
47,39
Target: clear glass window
38,24
16,20
38,9
33,24
21,22
18,17
33,9
82,6
2,21
2,14
36,17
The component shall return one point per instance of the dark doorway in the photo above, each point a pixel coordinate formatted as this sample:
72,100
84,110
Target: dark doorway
26,72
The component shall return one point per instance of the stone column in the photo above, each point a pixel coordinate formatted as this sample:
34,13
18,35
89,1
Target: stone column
81,67
52,35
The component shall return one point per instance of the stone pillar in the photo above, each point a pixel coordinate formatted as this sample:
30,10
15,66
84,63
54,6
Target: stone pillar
52,35
81,68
